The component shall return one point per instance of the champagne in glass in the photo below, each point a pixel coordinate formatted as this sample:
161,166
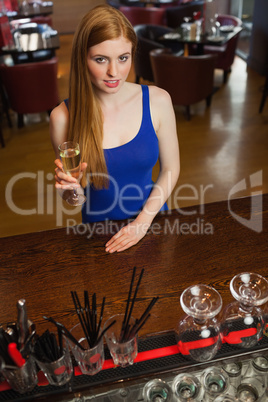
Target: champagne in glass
70,157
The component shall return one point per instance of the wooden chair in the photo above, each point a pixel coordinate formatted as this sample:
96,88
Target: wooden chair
188,80
31,87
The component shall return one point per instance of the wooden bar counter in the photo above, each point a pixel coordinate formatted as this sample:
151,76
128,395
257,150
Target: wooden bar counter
204,244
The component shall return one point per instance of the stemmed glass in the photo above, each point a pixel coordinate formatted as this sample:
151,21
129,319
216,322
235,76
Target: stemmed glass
243,319
198,334
70,157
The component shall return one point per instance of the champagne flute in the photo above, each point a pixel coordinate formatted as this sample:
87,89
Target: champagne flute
70,157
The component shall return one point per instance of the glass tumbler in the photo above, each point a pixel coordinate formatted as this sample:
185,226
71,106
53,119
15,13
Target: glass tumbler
22,379
123,353
90,360
60,371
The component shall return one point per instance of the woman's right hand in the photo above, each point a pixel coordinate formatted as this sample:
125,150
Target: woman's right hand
64,181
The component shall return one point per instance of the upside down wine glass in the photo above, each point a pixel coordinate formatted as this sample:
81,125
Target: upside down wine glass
198,334
70,157
243,319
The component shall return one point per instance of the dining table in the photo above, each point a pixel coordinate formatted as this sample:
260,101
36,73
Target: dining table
200,244
179,36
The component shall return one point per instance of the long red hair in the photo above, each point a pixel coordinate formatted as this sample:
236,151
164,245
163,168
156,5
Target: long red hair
86,121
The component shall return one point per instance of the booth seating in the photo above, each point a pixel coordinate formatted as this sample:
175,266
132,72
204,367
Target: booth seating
148,35
225,54
31,87
188,80
144,15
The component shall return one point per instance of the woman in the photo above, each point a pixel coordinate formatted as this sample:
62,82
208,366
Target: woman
122,128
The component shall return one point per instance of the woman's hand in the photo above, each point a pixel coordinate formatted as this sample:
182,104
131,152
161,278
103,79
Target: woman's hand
127,237
64,181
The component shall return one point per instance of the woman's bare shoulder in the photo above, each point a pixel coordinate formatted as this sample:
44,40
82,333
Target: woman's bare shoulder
58,125
159,94
60,113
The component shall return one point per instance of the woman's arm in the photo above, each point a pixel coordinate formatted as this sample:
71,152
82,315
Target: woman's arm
165,125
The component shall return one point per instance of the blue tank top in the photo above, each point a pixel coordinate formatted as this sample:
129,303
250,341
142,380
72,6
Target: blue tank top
129,168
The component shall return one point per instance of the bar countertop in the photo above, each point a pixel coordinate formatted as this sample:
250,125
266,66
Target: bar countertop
204,244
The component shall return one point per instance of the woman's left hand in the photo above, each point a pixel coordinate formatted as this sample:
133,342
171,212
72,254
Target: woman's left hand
127,237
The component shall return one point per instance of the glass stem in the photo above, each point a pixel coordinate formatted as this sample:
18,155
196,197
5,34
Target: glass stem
75,193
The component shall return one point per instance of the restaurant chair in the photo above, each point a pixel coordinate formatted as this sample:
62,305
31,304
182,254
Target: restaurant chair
31,87
42,19
175,15
119,3
144,15
188,80
226,53
148,35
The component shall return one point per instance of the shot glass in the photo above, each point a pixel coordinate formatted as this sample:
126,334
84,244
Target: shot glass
215,382
187,387
123,353
234,371
258,367
60,371
22,379
89,360
251,389
254,381
157,390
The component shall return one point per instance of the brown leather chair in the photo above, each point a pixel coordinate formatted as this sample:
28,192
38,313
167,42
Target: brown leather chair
148,39
188,80
225,54
31,87
144,15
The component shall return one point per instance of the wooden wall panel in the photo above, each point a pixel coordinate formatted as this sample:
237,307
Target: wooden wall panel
68,13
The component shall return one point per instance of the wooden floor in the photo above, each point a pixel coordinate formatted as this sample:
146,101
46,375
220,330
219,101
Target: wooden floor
221,147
